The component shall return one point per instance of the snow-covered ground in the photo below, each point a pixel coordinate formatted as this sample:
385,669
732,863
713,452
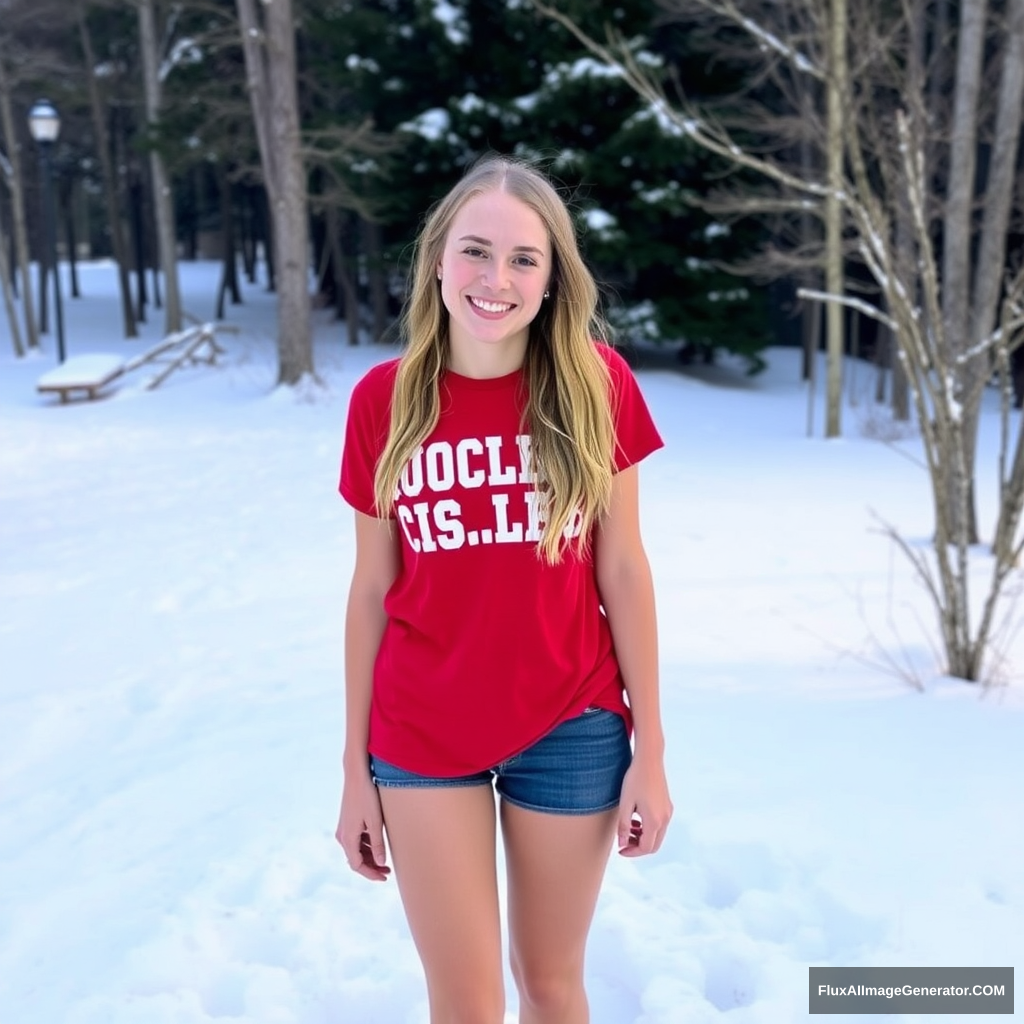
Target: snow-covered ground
173,571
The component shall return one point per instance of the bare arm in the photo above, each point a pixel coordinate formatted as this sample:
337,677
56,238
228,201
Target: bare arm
627,593
360,825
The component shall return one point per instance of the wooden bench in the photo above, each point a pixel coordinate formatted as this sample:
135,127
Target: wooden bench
88,374
91,373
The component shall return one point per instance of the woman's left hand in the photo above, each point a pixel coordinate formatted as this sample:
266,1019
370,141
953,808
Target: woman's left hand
644,807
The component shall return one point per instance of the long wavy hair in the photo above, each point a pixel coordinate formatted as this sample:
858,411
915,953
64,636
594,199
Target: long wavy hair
568,404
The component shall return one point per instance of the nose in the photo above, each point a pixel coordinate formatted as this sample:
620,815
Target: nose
495,276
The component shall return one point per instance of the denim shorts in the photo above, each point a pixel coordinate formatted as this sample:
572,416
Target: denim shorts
577,768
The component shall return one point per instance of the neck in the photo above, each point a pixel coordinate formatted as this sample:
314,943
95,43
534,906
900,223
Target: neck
486,362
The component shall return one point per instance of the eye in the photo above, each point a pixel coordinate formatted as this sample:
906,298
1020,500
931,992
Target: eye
525,261
472,250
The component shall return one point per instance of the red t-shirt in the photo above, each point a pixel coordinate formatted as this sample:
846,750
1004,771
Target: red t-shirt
487,647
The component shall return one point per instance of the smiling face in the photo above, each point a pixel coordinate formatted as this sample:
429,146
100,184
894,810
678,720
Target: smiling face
494,269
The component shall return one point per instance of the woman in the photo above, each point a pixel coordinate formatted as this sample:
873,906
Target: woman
500,607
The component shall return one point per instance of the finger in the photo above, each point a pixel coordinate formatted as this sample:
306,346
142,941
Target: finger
624,832
372,855
647,841
627,831
660,835
378,852
352,846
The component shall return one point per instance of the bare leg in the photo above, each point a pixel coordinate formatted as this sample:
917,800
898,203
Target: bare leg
443,847
555,866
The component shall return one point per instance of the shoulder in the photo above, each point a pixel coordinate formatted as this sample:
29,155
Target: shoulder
379,377
620,374
377,384
617,365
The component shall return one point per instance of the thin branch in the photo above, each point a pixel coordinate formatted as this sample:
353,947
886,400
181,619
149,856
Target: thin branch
767,39
848,300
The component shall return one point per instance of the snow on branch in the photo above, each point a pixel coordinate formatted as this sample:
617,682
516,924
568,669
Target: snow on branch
766,38
849,300
995,338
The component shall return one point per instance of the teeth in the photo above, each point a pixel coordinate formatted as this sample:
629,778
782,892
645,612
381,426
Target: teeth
491,307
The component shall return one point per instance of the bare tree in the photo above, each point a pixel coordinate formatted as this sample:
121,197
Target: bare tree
161,186
836,90
892,199
8,293
110,192
269,47
13,180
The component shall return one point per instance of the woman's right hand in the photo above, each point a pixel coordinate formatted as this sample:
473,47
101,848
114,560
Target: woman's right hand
360,828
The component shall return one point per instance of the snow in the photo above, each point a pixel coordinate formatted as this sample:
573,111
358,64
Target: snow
96,366
667,193
453,20
581,68
172,586
599,220
356,62
729,295
772,42
669,121
431,124
183,52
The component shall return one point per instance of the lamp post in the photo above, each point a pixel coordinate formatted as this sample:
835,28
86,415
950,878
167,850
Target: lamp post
44,124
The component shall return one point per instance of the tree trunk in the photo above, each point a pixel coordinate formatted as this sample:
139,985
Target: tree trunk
270,63
229,271
107,170
956,240
809,233
906,254
344,281
19,232
991,259
267,235
162,198
9,301
250,232
834,278
67,204
44,279
12,263
138,246
378,278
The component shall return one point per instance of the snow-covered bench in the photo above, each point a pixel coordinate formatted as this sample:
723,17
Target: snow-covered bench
88,373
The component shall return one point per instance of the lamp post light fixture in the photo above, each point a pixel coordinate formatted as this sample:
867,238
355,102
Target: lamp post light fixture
44,124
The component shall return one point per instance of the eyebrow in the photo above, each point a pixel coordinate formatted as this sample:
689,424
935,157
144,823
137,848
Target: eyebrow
487,241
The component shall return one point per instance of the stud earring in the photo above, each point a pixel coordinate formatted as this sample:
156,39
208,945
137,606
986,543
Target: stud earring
547,295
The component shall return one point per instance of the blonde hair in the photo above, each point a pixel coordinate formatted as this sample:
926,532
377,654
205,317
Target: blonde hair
568,403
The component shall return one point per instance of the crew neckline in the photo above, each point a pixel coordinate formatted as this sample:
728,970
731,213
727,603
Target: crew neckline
483,383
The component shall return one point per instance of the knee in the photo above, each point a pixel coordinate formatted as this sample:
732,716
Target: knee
550,994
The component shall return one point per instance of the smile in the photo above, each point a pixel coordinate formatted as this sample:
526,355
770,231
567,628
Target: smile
491,307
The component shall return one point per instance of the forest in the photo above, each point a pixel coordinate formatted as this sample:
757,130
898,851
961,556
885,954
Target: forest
394,98
743,173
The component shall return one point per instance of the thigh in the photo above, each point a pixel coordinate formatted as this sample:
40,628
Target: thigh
555,865
442,844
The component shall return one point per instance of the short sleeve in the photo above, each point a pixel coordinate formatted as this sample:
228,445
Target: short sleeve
636,436
366,432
